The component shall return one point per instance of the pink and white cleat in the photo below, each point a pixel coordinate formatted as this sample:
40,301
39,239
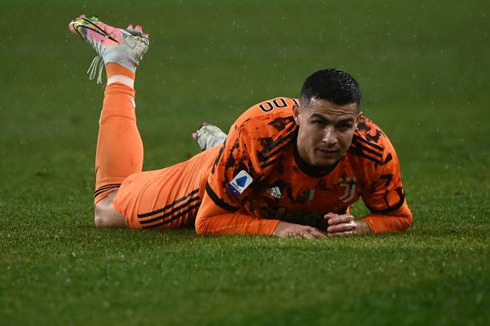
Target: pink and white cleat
125,47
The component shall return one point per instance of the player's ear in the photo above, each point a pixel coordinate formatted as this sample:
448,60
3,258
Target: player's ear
296,113
358,118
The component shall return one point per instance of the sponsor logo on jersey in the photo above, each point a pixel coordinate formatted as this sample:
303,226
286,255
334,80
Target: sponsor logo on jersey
240,182
275,192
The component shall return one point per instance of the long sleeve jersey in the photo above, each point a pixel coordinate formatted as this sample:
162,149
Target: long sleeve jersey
259,177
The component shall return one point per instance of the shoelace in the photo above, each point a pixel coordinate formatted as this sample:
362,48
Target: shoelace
97,65
96,68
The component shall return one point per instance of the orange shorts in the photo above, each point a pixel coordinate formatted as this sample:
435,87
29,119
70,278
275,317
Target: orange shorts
168,198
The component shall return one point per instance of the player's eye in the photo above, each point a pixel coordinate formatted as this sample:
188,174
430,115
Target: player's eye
344,126
319,122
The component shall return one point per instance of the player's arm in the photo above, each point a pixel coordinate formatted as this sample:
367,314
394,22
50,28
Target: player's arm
386,196
212,219
217,217
223,208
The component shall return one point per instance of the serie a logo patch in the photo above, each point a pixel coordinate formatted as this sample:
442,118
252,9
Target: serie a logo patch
240,182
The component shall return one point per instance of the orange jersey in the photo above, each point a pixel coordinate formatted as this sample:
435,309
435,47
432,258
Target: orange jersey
259,177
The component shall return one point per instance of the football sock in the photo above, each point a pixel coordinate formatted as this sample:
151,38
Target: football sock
119,146
119,74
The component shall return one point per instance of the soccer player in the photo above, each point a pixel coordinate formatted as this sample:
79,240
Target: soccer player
287,167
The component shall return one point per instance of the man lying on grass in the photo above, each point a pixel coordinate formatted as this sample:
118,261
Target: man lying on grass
288,167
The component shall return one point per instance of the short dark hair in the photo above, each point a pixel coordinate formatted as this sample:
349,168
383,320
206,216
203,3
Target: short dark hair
333,85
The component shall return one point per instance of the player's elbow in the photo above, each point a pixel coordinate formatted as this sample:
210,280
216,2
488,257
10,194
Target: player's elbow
406,222
402,219
201,224
381,223
199,229
402,222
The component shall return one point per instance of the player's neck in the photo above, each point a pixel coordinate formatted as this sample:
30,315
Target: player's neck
311,170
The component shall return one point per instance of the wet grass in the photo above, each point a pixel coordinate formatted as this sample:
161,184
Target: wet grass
423,70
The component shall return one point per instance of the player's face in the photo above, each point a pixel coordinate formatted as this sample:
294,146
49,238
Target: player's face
325,131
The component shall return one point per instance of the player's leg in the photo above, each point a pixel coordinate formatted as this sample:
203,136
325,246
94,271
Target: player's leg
105,215
119,146
168,198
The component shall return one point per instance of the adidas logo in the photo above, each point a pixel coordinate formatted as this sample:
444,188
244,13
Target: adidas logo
275,192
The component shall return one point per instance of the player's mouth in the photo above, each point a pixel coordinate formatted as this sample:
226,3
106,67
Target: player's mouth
327,153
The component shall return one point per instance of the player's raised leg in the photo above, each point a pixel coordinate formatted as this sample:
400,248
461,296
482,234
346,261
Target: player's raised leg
119,146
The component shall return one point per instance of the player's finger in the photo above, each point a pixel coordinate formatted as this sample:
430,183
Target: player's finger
346,218
289,235
302,235
297,233
307,232
307,235
316,233
350,226
329,215
341,234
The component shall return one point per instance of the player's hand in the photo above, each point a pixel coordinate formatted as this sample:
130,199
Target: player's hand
312,219
291,230
345,225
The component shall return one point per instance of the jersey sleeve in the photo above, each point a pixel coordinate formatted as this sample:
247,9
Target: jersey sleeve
224,208
384,194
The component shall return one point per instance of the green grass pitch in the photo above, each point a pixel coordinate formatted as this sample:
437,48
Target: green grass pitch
424,70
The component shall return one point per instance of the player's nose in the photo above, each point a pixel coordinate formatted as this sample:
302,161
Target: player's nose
329,136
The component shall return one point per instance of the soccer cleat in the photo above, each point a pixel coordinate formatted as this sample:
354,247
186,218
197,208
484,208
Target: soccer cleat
125,47
208,136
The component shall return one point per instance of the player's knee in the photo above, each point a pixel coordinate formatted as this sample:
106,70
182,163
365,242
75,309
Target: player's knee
99,220
106,216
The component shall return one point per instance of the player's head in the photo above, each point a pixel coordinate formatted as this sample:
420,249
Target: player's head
328,113
333,85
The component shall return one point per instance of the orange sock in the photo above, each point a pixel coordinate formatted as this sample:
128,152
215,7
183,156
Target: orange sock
119,74
119,146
